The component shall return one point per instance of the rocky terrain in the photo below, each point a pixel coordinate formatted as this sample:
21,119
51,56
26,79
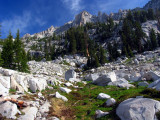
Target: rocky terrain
56,89
62,89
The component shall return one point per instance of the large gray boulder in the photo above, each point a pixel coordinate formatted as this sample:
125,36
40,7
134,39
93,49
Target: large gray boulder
37,84
103,96
92,77
3,91
15,85
4,85
138,109
105,79
30,113
8,110
151,76
21,80
44,108
121,82
155,85
70,74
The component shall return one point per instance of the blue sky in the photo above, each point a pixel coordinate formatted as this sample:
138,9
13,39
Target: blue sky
32,16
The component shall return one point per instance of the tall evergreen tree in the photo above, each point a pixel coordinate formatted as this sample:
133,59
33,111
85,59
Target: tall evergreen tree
7,52
29,56
1,60
46,51
72,46
150,14
96,61
20,57
102,58
158,39
139,34
17,52
24,66
153,39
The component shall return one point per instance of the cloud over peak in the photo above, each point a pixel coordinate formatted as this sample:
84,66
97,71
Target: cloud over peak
74,5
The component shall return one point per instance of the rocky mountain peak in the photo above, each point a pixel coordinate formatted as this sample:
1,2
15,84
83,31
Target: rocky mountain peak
82,18
154,4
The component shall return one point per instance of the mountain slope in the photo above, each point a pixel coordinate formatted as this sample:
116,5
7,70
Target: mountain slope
154,4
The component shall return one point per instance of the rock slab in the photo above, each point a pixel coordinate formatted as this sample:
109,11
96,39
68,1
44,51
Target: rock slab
138,109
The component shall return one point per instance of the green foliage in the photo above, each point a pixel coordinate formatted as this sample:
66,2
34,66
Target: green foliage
12,91
47,51
105,30
1,60
13,54
78,40
24,66
84,101
113,51
65,63
158,39
102,57
153,39
8,52
150,14
20,57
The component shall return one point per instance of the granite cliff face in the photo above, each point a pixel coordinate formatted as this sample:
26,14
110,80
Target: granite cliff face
46,33
154,4
85,17
80,19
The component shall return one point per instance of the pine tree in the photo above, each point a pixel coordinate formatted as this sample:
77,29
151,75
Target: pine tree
153,39
96,61
139,34
17,51
7,52
110,51
130,53
24,66
53,52
20,57
102,56
72,46
1,60
29,56
46,51
130,16
126,53
150,14
158,39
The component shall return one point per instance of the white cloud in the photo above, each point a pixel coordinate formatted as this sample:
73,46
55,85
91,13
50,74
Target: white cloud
74,5
15,23
20,22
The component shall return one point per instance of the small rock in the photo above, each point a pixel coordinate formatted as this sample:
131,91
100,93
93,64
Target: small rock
100,113
103,96
110,102
66,90
68,84
57,95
